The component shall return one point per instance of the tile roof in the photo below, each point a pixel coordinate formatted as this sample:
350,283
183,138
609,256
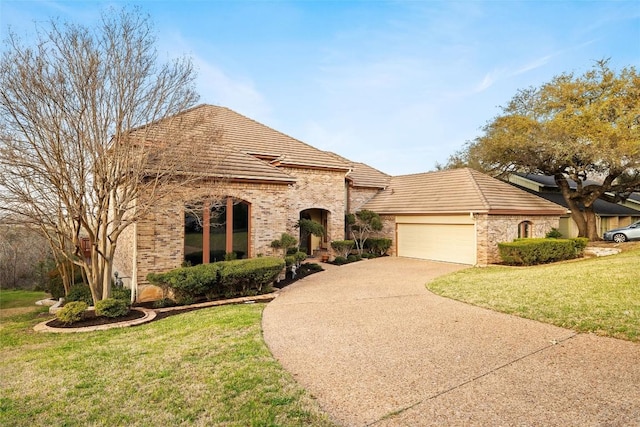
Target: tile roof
457,191
363,175
216,141
256,139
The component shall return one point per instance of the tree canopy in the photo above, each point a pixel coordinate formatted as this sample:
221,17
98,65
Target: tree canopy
584,128
67,104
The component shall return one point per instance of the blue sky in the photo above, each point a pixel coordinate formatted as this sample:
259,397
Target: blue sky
399,85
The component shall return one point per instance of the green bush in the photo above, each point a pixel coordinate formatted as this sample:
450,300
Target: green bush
80,292
111,307
121,293
580,243
246,276
539,251
343,247
228,278
72,312
340,260
54,283
354,258
377,246
553,234
188,283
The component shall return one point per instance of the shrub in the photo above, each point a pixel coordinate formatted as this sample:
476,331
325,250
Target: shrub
354,258
289,260
54,283
343,247
121,293
71,312
111,307
80,292
553,234
538,251
369,255
377,246
228,278
188,283
249,275
340,260
580,243
313,267
230,256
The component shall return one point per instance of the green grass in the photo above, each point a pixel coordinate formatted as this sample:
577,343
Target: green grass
205,367
599,295
13,298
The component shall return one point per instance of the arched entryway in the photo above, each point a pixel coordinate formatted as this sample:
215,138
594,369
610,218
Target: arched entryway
215,229
308,242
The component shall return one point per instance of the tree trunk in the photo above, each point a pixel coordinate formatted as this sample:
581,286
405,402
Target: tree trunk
591,222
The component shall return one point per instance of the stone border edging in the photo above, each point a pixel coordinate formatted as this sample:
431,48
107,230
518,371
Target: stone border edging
149,314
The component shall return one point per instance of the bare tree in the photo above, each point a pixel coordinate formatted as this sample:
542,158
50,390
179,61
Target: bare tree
69,165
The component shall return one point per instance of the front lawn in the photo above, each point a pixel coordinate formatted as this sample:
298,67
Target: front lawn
599,295
205,367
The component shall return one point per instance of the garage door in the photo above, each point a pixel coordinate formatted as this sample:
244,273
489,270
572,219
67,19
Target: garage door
438,242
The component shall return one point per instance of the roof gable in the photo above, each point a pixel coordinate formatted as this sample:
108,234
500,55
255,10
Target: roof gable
457,191
263,142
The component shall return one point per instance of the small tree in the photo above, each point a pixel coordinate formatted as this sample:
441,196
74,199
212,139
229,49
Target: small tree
362,224
285,242
308,227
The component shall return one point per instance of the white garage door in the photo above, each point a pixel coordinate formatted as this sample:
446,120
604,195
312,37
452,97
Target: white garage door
438,242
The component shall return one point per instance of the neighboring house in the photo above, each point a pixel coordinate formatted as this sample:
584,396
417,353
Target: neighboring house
255,183
460,215
608,215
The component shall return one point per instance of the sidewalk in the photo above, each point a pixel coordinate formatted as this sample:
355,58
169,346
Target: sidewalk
376,348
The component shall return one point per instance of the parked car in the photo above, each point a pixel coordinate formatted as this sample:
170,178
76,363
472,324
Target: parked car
623,234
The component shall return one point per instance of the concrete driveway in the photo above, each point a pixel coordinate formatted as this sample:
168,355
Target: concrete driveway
374,347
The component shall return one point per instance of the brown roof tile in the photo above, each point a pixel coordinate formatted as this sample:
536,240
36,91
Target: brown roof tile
456,191
261,141
363,175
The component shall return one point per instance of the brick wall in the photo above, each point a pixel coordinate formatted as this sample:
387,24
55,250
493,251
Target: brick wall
494,229
275,209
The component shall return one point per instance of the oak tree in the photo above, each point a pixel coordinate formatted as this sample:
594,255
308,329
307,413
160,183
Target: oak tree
584,128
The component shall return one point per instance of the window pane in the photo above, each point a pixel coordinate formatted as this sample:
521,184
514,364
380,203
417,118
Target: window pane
193,235
241,229
217,233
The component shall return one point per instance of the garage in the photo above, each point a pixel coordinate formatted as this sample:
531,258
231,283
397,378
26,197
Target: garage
458,215
436,241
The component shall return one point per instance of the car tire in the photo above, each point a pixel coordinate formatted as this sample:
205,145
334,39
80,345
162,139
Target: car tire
619,238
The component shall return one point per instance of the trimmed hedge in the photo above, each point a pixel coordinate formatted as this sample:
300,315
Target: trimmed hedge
377,246
112,307
72,312
540,251
224,278
250,276
343,247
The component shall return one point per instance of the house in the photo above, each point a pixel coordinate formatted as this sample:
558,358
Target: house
608,215
255,183
459,215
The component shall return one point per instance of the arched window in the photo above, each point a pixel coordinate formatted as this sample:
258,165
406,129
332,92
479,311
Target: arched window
214,229
525,229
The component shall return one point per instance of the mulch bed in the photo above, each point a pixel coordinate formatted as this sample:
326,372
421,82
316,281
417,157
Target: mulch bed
90,319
